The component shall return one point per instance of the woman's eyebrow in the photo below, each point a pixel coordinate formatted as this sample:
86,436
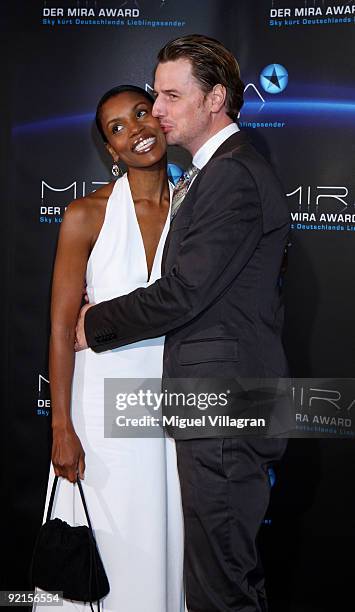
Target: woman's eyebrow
120,118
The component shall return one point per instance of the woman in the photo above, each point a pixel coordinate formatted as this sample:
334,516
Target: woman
112,241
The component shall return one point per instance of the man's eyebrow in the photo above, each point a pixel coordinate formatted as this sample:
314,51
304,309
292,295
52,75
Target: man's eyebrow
167,91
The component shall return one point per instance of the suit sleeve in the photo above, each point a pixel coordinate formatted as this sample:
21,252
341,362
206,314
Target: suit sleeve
225,229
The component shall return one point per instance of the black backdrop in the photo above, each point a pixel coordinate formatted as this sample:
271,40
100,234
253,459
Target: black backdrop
52,77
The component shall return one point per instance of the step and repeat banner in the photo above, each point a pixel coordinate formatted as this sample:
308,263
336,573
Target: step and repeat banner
297,61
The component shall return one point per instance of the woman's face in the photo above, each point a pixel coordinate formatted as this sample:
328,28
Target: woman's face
133,134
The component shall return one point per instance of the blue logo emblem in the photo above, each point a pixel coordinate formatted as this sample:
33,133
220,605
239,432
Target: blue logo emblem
174,173
274,78
272,476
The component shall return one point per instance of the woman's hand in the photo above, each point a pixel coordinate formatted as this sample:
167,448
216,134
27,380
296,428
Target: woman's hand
68,456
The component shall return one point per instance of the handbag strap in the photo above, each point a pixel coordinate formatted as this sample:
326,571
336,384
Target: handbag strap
51,501
93,565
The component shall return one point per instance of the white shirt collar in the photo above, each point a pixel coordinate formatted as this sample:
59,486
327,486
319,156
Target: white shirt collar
204,154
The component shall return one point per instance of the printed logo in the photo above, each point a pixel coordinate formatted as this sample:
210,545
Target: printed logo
128,13
274,78
272,476
322,208
43,401
174,173
326,412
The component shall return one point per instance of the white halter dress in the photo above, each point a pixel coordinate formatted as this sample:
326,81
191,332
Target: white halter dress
131,485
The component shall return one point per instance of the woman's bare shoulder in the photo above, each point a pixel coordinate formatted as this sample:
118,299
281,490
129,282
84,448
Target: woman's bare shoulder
91,206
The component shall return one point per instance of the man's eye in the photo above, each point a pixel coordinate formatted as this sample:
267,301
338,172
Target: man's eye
172,96
116,129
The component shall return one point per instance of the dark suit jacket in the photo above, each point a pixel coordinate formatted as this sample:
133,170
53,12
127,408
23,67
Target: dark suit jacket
218,300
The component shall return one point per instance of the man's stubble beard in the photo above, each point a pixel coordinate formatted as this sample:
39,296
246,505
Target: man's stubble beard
186,139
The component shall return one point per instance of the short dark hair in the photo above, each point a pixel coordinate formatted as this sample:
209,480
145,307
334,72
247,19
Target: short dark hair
211,64
115,91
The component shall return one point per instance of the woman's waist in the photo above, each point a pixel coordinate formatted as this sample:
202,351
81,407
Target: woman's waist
98,294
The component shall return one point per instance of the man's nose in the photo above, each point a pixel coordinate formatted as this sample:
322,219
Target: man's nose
157,110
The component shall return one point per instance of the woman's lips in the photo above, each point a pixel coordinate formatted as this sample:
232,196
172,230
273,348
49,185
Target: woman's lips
144,145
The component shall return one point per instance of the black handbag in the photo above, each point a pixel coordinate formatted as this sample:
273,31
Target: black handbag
66,559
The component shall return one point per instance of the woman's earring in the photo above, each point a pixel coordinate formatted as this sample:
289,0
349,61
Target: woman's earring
116,170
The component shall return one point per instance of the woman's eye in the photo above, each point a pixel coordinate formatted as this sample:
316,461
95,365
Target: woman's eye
116,129
141,113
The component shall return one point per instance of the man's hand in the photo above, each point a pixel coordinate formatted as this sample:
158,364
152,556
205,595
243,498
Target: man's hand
80,339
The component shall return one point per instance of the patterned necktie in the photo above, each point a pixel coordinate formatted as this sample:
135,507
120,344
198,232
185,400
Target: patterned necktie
181,189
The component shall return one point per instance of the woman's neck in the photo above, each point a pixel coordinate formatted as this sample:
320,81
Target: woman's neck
149,183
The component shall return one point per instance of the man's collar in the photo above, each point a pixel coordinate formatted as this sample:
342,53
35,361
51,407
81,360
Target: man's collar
204,154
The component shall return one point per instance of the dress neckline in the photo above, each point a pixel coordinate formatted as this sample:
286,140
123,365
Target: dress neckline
148,275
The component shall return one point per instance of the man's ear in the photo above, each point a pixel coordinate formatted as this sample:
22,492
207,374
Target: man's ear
112,152
218,97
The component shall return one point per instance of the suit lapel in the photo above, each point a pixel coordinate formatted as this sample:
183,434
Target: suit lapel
233,142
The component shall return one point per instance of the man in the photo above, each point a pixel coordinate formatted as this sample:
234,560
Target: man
218,304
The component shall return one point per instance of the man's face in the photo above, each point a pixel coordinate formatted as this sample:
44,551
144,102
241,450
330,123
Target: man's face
181,106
